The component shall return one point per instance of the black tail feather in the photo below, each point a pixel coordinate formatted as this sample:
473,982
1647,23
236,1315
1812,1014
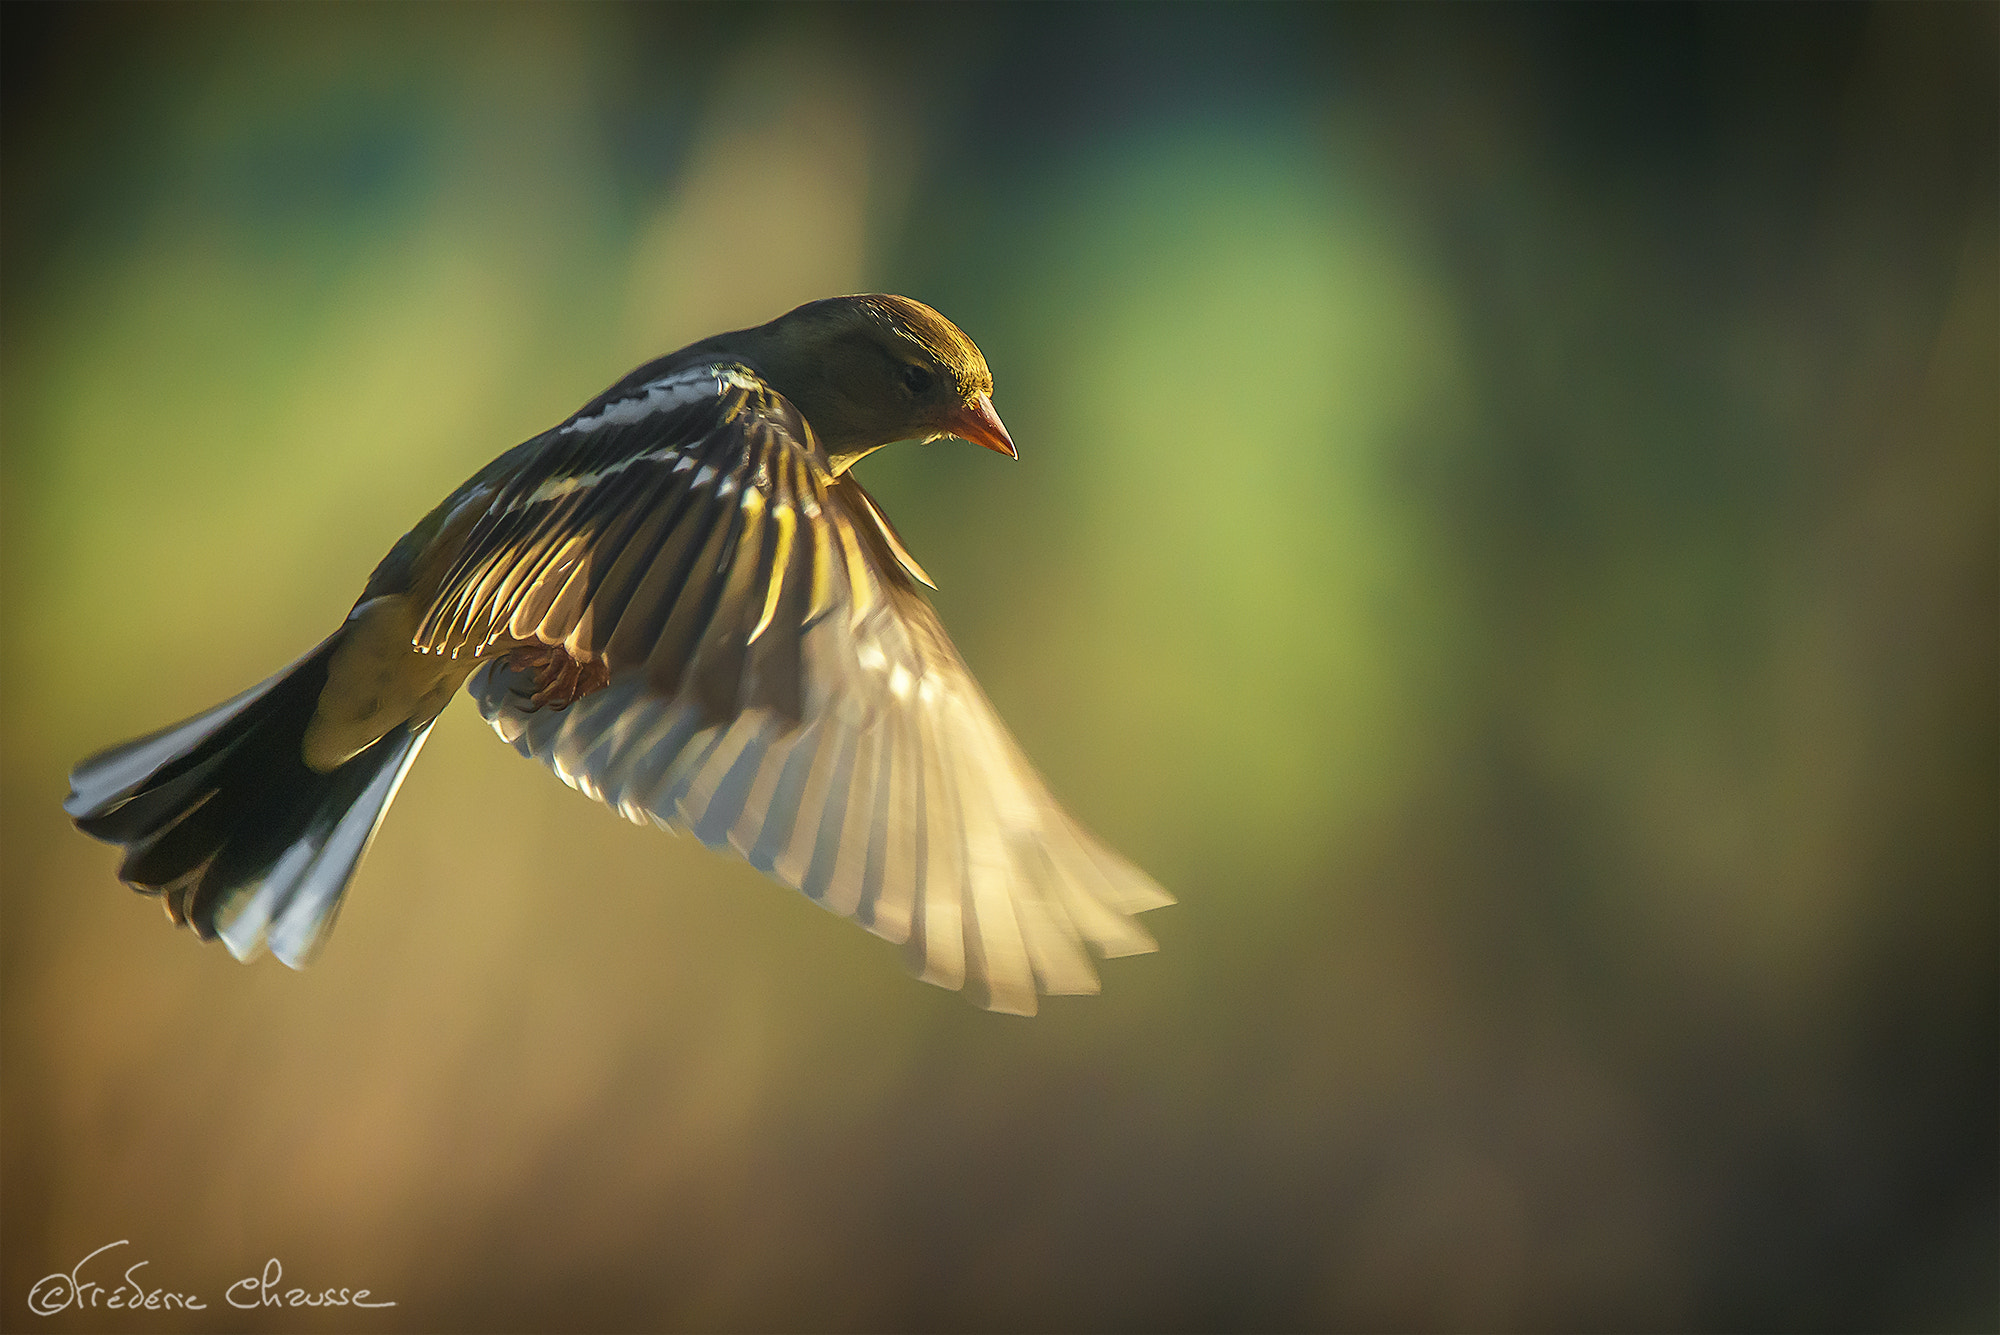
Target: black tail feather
222,816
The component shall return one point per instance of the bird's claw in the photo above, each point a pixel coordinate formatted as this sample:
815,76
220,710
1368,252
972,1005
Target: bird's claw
559,680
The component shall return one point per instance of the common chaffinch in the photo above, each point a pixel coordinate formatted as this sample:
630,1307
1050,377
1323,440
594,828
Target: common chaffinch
682,602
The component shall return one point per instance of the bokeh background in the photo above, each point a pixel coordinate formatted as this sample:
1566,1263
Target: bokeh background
1506,529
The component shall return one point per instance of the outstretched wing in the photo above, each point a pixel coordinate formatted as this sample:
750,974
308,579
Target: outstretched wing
778,685
647,530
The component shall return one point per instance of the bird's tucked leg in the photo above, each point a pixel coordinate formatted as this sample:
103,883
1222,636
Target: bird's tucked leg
560,680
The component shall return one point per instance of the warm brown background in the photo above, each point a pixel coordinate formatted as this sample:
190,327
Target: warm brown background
1506,529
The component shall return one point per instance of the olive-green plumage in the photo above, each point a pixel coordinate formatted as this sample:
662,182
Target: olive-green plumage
682,602
864,371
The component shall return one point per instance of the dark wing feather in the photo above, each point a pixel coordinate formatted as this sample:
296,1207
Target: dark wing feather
779,685
646,534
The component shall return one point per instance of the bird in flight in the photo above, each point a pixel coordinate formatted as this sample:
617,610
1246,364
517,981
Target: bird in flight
682,602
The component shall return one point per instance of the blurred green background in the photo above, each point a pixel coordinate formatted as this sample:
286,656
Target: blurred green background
1506,530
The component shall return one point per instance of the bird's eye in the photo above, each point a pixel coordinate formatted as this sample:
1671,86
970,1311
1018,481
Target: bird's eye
916,379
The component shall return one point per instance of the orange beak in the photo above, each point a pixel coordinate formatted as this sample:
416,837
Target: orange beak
978,423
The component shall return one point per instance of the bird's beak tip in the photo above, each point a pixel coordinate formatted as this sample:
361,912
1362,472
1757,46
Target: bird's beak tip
978,423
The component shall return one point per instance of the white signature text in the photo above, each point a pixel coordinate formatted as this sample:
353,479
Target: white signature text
71,1289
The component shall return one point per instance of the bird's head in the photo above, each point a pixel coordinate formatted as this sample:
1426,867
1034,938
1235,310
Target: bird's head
869,370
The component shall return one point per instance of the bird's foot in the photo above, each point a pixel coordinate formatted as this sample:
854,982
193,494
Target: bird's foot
559,680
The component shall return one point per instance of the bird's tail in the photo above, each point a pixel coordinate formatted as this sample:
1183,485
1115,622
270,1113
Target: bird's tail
222,816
